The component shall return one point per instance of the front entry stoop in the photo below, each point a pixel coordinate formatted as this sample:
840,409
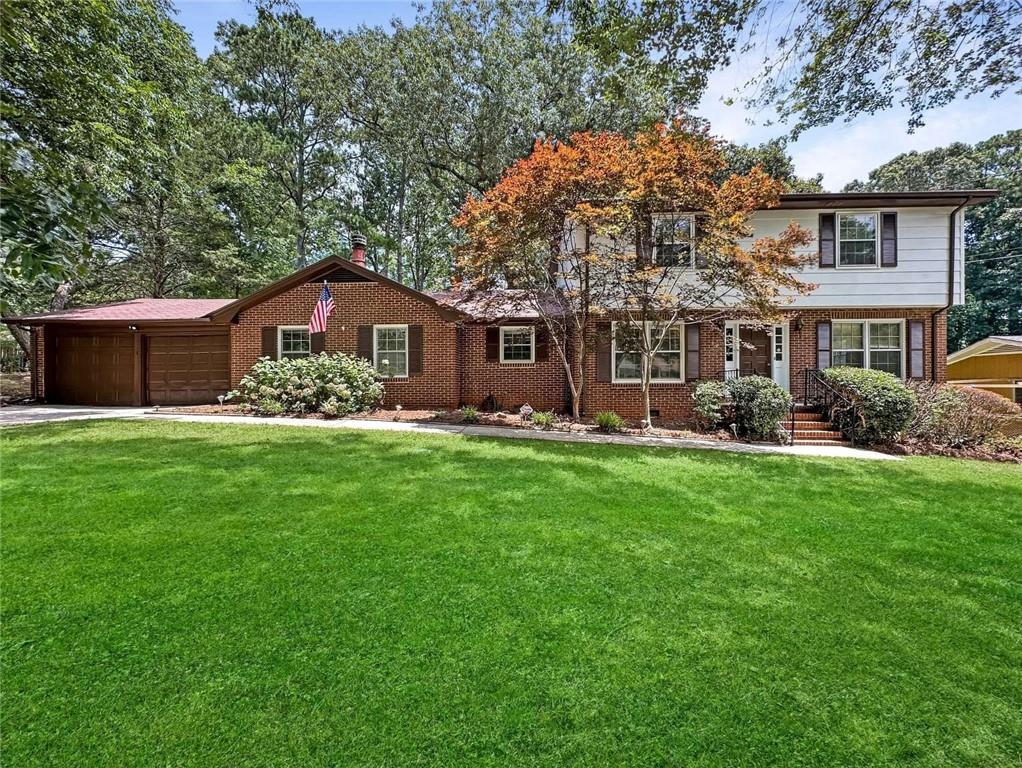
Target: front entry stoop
811,428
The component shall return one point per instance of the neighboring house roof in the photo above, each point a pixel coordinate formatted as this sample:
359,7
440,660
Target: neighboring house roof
495,304
135,310
989,345
322,268
886,199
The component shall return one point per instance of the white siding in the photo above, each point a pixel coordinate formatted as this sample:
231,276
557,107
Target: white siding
919,280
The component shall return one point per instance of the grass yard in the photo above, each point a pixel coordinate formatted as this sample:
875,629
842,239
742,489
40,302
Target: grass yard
202,595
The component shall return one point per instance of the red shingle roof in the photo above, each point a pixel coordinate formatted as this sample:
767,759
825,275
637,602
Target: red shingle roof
136,310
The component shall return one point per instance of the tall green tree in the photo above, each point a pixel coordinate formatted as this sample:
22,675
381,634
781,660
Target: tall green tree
76,105
993,232
279,75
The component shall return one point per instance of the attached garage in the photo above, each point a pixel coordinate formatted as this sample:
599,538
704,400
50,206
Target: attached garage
187,369
141,352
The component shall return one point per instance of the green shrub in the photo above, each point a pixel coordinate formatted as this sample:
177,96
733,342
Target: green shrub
759,406
885,405
958,416
332,384
710,398
470,414
608,421
269,407
544,419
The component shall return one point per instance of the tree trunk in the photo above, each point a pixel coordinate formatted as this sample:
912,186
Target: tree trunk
24,339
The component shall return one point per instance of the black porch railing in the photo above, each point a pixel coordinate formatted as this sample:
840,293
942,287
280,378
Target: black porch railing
838,408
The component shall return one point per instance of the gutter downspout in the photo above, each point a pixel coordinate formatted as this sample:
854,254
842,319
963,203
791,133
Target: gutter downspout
950,285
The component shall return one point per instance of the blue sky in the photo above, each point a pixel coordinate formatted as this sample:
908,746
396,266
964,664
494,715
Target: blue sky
841,151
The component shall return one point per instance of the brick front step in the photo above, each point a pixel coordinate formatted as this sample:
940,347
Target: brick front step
844,443
817,434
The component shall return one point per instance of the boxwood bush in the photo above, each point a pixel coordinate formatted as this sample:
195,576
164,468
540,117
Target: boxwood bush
334,385
759,406
885,405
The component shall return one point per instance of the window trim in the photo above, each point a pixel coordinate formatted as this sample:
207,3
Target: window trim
280,340
376,347
646,326
877,239
532,344
691,240
901,321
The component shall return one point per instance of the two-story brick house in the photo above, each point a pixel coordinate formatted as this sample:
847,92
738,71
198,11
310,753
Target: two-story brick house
888,266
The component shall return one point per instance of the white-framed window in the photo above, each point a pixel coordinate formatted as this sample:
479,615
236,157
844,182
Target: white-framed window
626,352
778,343
390,350
729,344
517,344
293,341
858,239
877,344
673,240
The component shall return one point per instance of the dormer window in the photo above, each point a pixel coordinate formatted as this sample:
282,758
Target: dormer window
858,239
672,240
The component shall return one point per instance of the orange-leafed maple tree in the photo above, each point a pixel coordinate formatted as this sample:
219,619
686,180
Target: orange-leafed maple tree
635,229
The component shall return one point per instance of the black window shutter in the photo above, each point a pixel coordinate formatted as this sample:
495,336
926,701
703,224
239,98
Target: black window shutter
414,350
317,343
889,240
827,241
603,351
702,261
492,344
823,345
364,342
269,347
916,339
691,352
542,345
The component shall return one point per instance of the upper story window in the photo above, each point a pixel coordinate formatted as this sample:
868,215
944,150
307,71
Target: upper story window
627,344
672,241
293,342
517,344
858,239
390,351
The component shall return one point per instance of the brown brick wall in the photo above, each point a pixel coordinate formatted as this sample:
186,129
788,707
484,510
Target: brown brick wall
360,304
38,365
540,384
802,343
673,400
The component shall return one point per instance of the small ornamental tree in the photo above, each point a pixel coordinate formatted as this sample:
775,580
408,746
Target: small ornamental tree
636,229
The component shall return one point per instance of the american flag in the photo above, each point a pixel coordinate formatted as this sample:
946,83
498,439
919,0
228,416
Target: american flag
324,308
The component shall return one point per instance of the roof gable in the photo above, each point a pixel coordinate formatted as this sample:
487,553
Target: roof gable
325,269
989,345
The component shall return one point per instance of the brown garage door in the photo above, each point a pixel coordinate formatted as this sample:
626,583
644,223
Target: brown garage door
93,369
187,370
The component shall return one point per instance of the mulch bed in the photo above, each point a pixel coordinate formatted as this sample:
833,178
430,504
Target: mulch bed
665,428
998,451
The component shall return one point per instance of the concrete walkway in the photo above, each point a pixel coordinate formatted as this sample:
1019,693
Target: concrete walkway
16,415
594,438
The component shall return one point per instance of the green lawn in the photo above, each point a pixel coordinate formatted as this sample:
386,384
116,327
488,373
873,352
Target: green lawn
191,594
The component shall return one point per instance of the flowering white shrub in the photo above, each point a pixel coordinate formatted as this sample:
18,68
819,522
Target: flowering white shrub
334,385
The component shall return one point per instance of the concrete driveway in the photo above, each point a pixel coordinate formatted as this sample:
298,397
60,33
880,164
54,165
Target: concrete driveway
16,415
